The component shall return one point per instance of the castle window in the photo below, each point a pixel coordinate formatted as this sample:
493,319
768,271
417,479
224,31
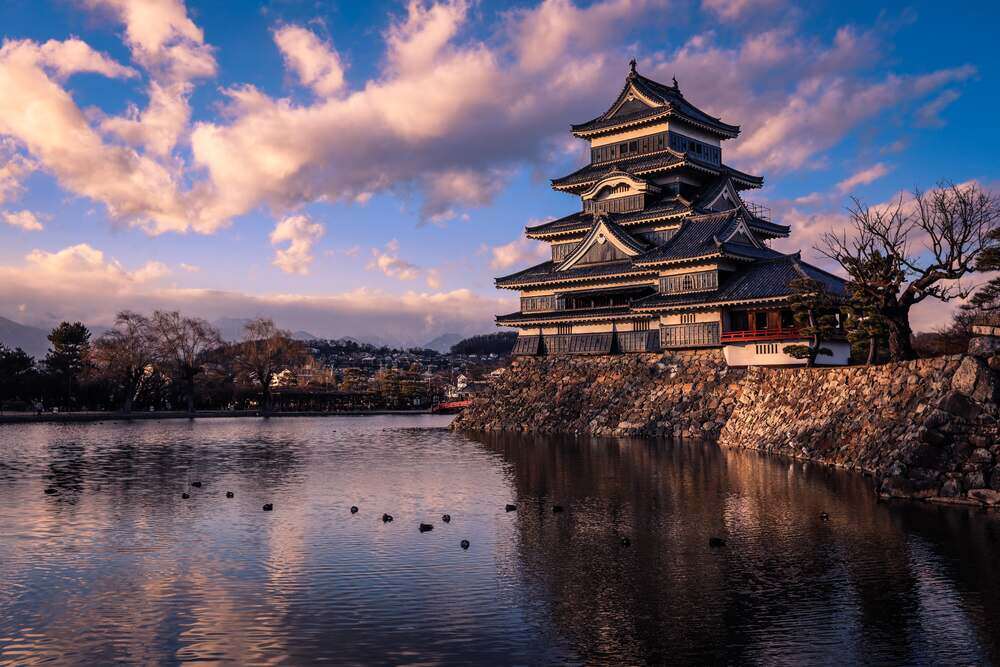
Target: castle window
699,281
687,318
564,329
641,325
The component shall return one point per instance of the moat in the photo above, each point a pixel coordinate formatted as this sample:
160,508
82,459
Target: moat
113,564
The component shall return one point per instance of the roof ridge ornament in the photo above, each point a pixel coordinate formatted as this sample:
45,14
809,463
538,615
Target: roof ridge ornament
631,68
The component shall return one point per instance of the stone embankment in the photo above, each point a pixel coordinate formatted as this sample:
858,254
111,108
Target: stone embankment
924,429
683,394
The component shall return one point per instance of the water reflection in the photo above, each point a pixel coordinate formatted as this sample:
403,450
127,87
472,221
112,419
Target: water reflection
876,583
116,566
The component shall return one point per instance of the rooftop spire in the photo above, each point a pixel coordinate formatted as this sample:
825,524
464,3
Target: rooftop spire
631,67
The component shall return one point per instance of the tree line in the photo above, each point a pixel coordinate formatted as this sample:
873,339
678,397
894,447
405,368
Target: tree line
163,360
919,247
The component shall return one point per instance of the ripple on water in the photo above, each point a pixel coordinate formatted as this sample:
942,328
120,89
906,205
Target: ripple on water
115,566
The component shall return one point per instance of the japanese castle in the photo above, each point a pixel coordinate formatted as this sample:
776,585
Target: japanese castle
664,253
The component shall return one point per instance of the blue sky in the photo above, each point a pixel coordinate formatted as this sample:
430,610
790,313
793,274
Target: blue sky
366,168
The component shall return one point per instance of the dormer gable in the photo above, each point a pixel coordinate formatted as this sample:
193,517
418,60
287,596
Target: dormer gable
606,242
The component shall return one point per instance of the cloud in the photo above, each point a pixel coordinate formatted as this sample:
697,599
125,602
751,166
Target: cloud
314,61
40,115
26,220
392,265
929,115
447,117
189,268
79,268
14,168
80,282
863,177
520,252
389,263
301,234
732,10
794,96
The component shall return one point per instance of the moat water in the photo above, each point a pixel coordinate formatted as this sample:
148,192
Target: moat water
113,565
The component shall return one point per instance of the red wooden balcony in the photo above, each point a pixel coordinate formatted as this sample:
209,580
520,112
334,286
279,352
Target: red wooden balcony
753,335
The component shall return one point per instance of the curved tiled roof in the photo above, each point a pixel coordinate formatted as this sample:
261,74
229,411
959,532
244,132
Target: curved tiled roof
639,164
764,279
669,101
546,273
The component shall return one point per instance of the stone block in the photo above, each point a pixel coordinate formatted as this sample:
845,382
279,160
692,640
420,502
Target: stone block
960,406
985,496
952,488
984,346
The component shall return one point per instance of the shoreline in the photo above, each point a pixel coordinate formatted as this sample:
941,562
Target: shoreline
82,417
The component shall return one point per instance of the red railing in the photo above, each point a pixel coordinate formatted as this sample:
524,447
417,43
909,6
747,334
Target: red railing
760,334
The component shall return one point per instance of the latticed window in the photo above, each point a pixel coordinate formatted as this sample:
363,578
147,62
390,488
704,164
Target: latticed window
689,282
561,251
641,325
564,329
532,304
687,318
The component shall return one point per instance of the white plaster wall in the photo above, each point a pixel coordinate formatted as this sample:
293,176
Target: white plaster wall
700,316
745,354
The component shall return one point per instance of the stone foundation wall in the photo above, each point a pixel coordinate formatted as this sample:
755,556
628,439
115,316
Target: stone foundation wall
681,394
925,429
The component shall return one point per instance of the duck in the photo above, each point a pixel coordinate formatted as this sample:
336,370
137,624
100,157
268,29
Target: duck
386,518
716,542
268,507
446,518
465,544
50,491
354,509
510,508
229,494
196,485
185,496
424,527
823,516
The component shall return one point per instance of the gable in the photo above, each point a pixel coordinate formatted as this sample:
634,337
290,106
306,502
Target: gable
629,106
603,244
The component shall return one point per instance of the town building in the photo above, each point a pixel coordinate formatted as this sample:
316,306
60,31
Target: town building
663,253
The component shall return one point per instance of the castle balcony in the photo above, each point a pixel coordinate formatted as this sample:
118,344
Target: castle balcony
699,334
757,335
758,210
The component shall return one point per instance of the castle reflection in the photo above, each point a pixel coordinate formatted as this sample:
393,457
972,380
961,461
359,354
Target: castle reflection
874,583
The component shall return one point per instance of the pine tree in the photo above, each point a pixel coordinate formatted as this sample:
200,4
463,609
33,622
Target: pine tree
812,307
67,358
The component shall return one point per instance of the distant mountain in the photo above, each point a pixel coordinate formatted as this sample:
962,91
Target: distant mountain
231,329
443,342
32,340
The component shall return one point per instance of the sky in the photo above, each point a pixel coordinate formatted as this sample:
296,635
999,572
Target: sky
367,169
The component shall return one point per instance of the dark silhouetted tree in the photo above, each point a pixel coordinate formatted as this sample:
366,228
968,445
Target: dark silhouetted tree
67,357
953,225
123,355
180,346
264,352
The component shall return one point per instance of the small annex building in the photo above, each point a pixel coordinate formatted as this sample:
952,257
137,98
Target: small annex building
663,253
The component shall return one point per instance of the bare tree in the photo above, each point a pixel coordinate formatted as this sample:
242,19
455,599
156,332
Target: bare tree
951,226
264,352
124,353
180,345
